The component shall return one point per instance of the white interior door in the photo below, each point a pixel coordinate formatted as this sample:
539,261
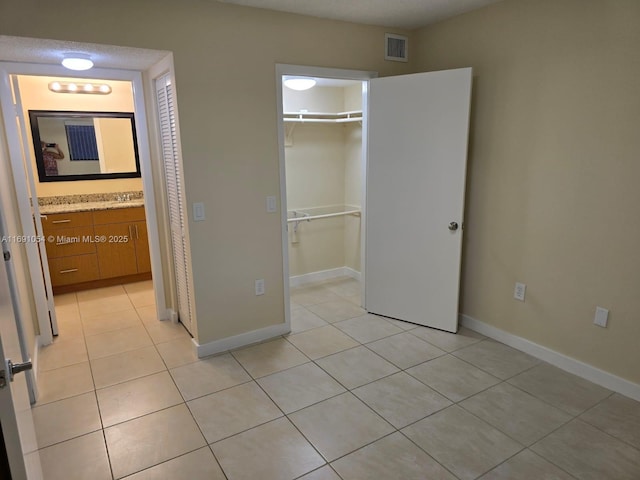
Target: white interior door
15,409
25,140
417,155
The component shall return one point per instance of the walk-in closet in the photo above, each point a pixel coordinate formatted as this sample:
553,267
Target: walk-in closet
323,155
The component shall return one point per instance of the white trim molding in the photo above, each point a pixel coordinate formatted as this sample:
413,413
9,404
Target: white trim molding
319,276
242,340
571,365
170,314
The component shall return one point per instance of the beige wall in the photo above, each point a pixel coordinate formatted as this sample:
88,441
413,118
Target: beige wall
35,95
225,59
117,155
315,180
552,198
317,99
353,176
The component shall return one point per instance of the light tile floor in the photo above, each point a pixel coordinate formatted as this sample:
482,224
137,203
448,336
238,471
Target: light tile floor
346,395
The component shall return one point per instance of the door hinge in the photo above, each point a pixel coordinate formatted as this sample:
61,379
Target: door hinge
7,256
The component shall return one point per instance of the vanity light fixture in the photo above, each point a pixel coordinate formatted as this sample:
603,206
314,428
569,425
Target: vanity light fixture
75,87
77,61
299,83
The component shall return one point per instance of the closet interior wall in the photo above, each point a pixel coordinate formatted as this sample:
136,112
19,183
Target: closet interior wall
323,164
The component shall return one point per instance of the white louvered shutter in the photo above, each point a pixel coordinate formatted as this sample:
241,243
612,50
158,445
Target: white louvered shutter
175,195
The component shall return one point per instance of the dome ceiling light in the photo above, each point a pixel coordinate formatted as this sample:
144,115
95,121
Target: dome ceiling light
299,83
77,61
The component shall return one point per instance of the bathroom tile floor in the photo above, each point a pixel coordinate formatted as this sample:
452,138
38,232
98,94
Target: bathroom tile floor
346,395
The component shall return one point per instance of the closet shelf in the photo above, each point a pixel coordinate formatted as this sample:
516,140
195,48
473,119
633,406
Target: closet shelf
323,117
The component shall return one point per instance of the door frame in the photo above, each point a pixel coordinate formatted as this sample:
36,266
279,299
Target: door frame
22,196
323,72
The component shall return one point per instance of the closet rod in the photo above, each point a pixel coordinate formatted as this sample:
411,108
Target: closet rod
322,120
326,215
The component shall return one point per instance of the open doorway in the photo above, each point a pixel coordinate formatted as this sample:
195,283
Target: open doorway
323,167
133,202
85,181
414,137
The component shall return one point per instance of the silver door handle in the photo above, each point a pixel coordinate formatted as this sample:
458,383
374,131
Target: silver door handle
14,368
453,226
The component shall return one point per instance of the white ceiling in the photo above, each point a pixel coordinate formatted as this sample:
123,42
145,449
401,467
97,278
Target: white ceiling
407,14
34,50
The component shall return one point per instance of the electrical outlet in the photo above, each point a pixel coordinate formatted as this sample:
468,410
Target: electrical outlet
260,287
602,317
519,291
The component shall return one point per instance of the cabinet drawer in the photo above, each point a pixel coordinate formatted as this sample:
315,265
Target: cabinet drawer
66,242
118,215
66,220
77,269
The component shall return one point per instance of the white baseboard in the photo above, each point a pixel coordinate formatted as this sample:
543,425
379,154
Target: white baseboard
241,340
350,272
299,280
170,314
571,365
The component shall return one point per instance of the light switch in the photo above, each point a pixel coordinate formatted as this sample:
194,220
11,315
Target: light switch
198,212
272,204
602,317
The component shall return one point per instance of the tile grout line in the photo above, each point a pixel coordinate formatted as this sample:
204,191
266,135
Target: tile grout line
368,406
95,394
428,386
255,380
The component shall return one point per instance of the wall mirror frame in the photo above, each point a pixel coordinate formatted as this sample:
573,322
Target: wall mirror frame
112,151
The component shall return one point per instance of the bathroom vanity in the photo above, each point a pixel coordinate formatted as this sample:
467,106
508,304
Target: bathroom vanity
95,244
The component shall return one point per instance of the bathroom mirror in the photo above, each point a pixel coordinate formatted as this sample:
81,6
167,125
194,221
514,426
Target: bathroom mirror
73,146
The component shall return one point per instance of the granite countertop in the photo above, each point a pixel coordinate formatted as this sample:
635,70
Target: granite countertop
90,206
90,202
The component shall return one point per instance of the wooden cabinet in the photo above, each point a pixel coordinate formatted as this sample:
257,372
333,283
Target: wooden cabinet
74,269
72,258
116,258
143,257
91,249
126,251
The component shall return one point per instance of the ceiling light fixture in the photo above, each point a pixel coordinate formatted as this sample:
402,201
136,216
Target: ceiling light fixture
74,87
77,61
299,83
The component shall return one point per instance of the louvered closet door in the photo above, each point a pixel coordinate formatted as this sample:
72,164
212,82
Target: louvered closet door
175,195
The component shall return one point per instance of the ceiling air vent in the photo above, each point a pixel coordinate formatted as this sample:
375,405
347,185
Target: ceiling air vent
396,47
